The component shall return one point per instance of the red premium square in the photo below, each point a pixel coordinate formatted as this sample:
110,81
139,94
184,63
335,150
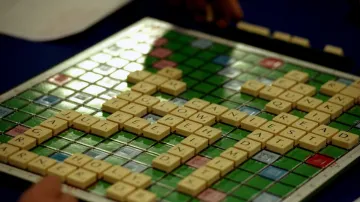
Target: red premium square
271,63
320,161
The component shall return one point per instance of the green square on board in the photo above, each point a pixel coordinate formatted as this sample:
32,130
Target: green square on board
293,179
312,73
189,82
193,62
190,94
289,67
5,125
18,117
177,197
123,136
4,138
142,142
212,99
225,129
258,103
72,134
280,189
159,148
259,182
75,148
243,66
33,108
74,72
45,87
266,116
224,185
229,104
56,143
238,175
170,181
206,55
322,97
188,50
171,34
211,67
159,190
64,105
241,98
30,95
33,121
76,84
173,46
42,151
101,115
275,75
85,110
95,103
115,160
260,70
176,57
286,163
185,69
323,78
195,200
185,38
217,80
225,143
145,158
245,77
149,60
306,170
355,110
163,96
348,119
90,139
299,154
333,151
154,173
339,126
199,75
252,58
62,92
238,134
232,199
183,171
298,113
109,145
173,139
355,131
252,165
15,103
219,48
245,192
317,85
48,113
99,188
223,93
211,152
204,87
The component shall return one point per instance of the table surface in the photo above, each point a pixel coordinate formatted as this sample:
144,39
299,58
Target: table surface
21,60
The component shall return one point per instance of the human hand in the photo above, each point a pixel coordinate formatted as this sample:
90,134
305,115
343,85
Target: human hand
47,190
222,12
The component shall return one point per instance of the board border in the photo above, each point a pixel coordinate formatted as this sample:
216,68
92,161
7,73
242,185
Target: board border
300,194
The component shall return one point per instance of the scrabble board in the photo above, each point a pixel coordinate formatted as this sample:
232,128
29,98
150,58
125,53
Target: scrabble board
157,112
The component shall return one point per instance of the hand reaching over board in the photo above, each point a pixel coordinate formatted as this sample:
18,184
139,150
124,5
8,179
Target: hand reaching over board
222,12
47,190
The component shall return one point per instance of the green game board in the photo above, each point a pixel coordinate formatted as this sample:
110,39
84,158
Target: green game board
214,70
